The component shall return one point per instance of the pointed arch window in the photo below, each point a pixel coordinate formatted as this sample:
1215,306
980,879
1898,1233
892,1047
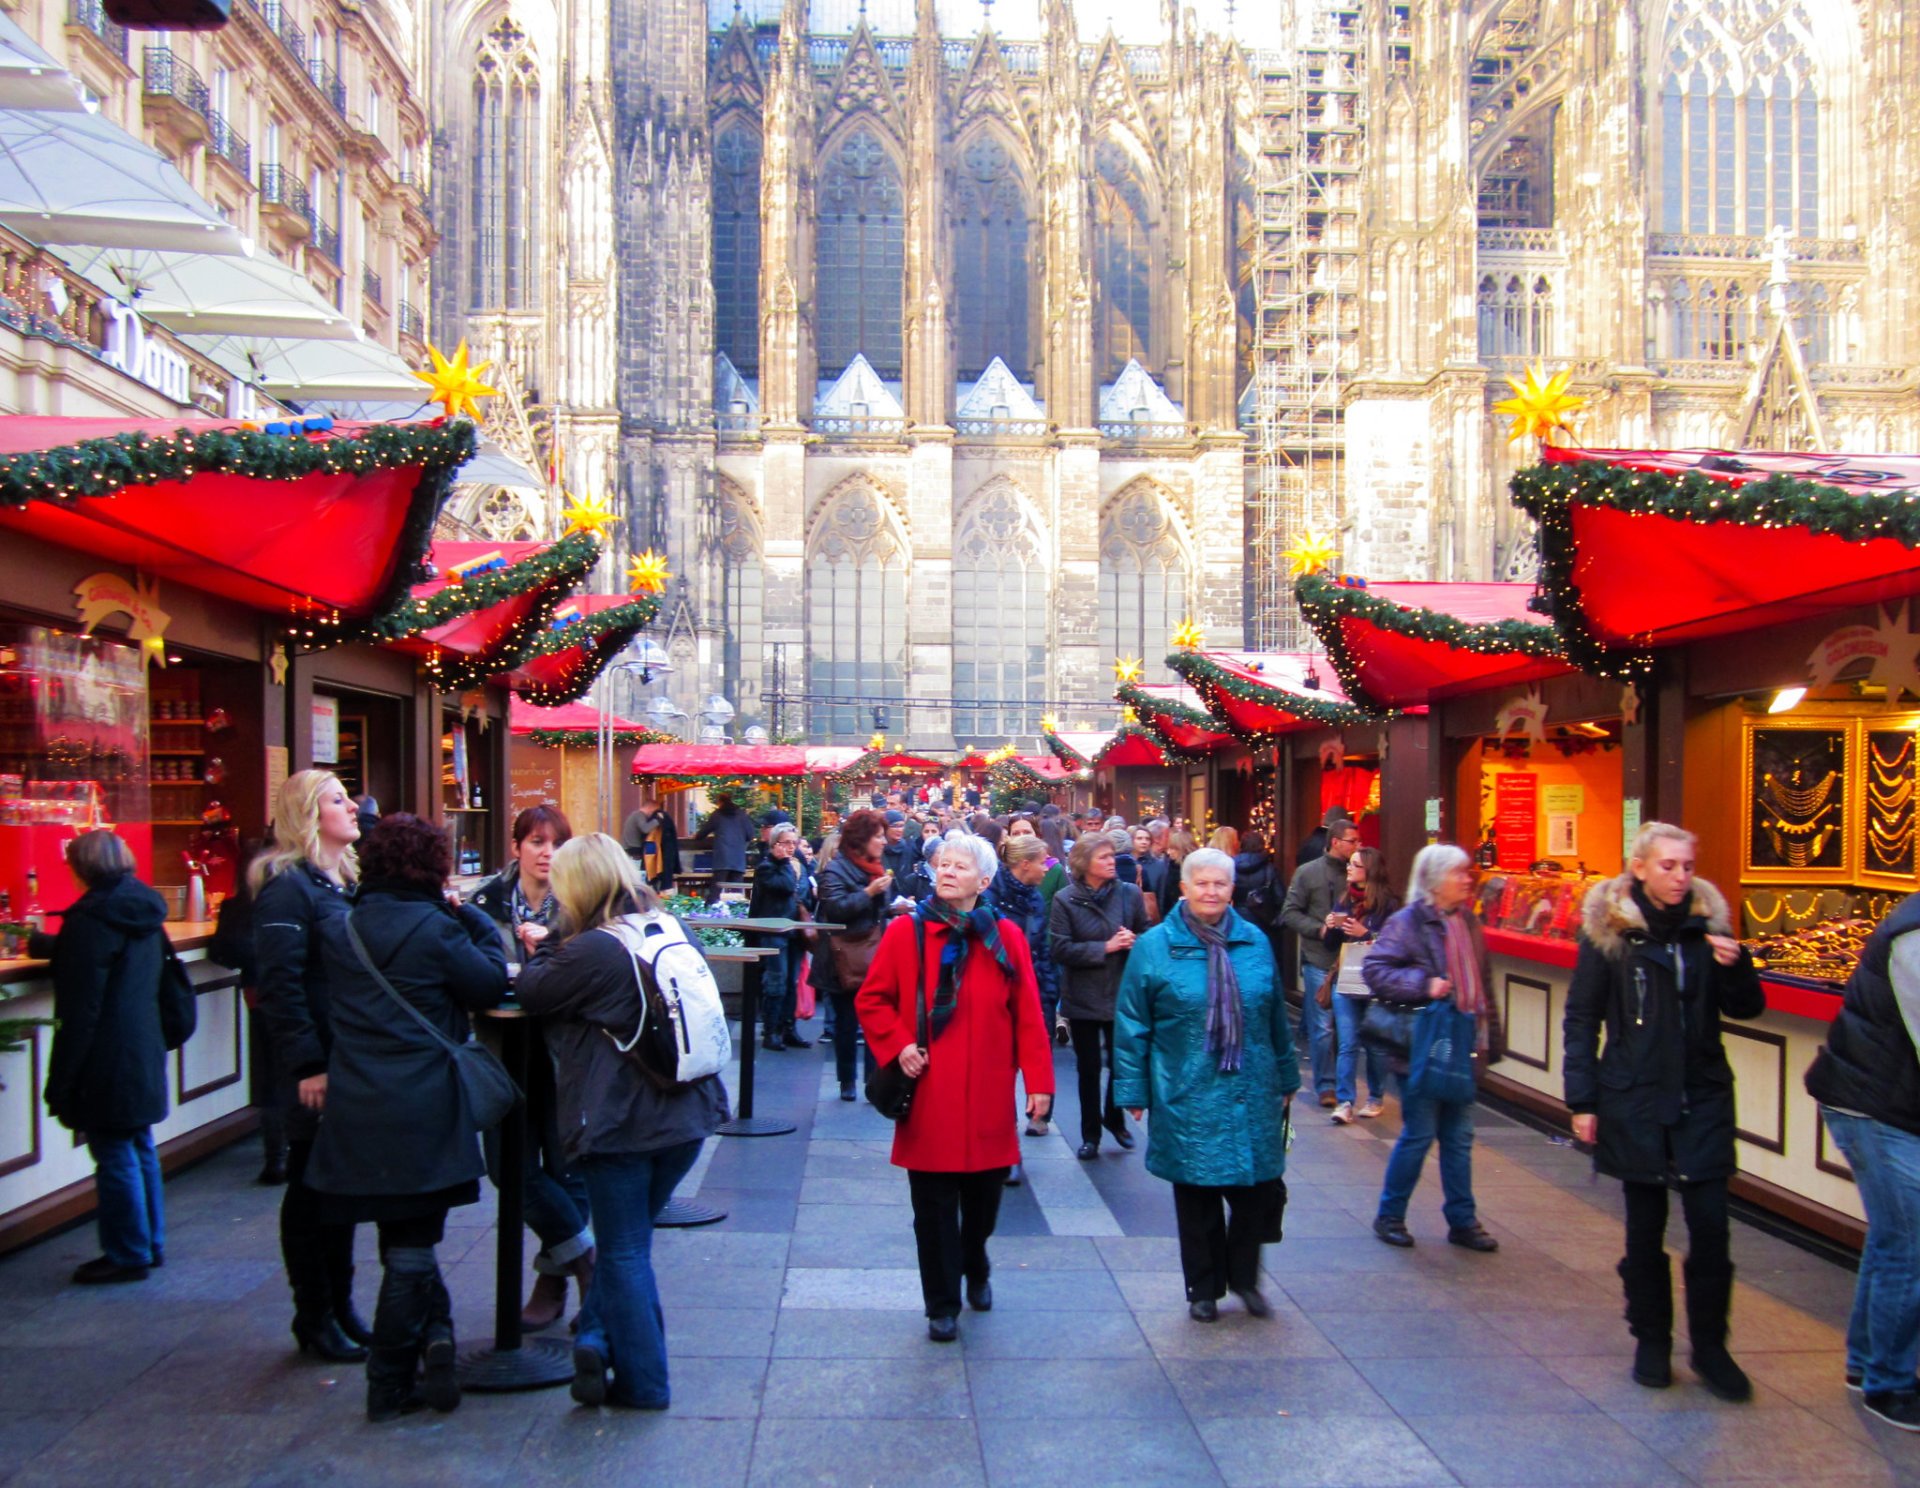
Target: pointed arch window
856,619
504,273
999,619
991,232
1143,580
732,550
861,256
1739,121
1123,264
736,246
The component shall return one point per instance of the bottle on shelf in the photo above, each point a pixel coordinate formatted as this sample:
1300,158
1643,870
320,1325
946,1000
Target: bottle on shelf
475,801
32,913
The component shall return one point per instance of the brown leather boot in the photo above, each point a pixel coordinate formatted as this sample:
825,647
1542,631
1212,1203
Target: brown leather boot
547,1302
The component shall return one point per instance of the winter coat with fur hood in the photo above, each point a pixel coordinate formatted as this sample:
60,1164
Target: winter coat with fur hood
1662,1088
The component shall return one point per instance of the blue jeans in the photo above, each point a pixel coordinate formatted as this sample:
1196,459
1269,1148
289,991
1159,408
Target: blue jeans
126,1178
620,1318
1883,1334
1316,1028
779,982
1421,1120
1347,1012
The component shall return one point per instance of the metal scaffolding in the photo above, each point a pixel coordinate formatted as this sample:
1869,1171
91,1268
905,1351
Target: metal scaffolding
1307,276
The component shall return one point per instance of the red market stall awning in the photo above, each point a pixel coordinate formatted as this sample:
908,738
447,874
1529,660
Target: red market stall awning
744,762
585,633
574,725
1649,548
1129,745
327,522
1075,747
1257,696
1405,645
1173,716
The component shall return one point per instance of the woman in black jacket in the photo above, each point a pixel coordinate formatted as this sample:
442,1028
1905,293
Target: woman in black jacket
628,1138
395,1147
306,880
107,1075
1090,929
1658,967
781,889
856,893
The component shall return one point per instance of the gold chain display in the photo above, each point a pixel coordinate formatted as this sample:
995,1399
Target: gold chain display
1891,805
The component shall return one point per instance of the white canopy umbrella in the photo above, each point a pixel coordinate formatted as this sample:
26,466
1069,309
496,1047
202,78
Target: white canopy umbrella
213,294
79,178
30,78
309,370
490,465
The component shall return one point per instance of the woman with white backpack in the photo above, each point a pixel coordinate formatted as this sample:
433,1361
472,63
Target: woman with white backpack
631,1012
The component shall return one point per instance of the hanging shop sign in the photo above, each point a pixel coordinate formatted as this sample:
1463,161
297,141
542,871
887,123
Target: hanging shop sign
1516,818
129,346
1889,651
326,731
100,595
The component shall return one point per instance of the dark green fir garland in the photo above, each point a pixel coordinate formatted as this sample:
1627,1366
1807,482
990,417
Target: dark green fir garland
600,634
588,739
1150,709
1061,750
1125,734
1213,681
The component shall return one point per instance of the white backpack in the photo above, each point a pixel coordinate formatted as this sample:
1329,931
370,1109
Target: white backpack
682,1035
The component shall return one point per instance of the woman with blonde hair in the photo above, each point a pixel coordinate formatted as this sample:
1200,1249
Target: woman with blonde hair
1225,839
630,1139
305,880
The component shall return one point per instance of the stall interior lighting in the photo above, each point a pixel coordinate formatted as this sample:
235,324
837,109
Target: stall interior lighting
1786,699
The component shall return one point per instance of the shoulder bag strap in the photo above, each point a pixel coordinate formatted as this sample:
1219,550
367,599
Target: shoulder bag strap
360,950
640,982
922,1027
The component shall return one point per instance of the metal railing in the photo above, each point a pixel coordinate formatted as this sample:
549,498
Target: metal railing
280,187
229,146
371,286
413,180
412,322
328,82
91,15
326,238
283,26
165,74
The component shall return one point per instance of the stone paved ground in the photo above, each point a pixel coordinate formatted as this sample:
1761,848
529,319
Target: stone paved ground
799,1355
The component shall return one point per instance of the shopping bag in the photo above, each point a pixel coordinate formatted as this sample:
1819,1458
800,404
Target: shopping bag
805,1001
1441,1065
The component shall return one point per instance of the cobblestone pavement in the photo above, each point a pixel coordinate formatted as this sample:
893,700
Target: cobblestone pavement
799,1354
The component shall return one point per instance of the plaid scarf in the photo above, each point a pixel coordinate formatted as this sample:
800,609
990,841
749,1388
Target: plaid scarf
1463,967
523,911
962,930
1223,989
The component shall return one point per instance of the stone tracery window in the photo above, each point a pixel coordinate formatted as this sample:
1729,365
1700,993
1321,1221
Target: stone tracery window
732,544
502,514
991,231
1739,120
504,273
1123,264
999,618
736,247
1143,580
1516,314
856,618
861,256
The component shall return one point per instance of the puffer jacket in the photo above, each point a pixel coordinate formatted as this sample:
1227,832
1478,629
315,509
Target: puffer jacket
1663,1090
1078,927
1208,1127
292,991
1409,952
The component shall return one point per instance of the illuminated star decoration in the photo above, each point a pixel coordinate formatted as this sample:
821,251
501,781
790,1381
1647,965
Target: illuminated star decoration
877,743
1049,723
454,385
1540,405
1127,715
588,514
1189,636
1128,669
648,573
1310,553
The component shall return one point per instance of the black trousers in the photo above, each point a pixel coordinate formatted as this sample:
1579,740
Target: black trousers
318,1255
1218,1253
422,1231
953,1218
1092,1053
1705,1206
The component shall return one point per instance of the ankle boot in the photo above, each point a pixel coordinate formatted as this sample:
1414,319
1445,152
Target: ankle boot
315,1327
338,1246
1709,1300
399,1322
545,1304
1649,1289
438,1355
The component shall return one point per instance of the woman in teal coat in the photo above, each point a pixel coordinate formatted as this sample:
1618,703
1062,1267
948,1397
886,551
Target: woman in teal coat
1200,1039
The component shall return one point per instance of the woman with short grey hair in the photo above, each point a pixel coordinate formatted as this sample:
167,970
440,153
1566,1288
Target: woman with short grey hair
1204,858
1428,953
1091,927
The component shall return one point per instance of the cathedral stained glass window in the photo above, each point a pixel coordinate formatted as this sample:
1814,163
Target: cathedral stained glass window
1123,264
999,618
861,253
506,162
856,618
736,247
990,262
1143,580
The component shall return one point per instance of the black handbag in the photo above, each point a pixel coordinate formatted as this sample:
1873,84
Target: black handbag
890,1088
1388,1028
179,1002
487,1091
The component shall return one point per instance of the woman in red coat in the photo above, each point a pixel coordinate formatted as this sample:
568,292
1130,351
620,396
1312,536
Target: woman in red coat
958,1140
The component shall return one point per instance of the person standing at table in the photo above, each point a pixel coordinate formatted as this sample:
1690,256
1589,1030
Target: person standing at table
730,830
1201,1040
107,1074
630,1139
306,880
781,890
395,1147
1091,927
957,1142
652,843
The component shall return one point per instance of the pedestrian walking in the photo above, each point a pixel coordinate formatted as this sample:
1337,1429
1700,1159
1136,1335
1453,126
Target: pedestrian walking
306,880
1368,905
1201,1041
856,893
1090,928
1430,955
629,1138
107,1073
1015,893
1658,967
973,970
395,1146
1311,908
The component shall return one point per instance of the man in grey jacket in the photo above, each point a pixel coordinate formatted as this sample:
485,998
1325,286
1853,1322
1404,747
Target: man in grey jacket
1310,910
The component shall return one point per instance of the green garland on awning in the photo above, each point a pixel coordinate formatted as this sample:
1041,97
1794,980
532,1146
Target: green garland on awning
588,739
1147,708
601,633
1063,751
1010,781
1325,602
1126,734
1211,680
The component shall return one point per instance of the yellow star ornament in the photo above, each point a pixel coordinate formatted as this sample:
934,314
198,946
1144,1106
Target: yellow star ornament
1540,404
877,743
1311,552
1049,723
589,515
1189,636
648,574
1128,669
454,385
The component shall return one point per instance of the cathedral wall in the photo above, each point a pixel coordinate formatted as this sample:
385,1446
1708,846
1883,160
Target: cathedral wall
1389,488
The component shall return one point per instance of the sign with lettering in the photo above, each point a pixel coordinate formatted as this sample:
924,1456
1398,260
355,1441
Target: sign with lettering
1516,818
326,731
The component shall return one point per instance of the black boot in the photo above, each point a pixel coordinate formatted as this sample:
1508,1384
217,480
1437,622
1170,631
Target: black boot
338,1244
1649,1287
1709,1300
315,1328
437,1352
399,1326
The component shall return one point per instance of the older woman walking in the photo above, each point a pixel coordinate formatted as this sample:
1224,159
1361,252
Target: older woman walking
1429,955
1659,966
1015,893
974,971
1092,925
857,894
1201,1040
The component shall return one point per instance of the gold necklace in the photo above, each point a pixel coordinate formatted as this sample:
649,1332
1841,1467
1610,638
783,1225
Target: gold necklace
1891,799
1796,800
1763,920
1893,765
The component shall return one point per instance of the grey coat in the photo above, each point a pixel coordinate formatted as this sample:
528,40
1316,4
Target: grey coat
1079,925
1317,888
